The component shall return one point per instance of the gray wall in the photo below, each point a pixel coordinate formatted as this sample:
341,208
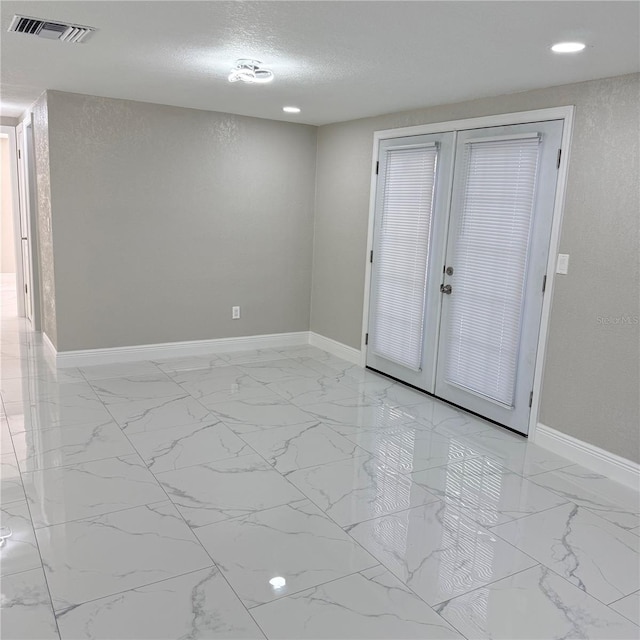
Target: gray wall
44,232
164,218
591,381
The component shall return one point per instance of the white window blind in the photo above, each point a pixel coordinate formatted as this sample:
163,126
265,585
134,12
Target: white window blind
401,254
491,250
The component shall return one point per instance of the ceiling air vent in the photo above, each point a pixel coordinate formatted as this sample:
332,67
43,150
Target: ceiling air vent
50,29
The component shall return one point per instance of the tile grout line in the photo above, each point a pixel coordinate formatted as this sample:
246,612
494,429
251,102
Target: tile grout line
75,605
616,506
99,515
633,593
42,564
73,464
316,586
552,569
524,517
462,595
536,563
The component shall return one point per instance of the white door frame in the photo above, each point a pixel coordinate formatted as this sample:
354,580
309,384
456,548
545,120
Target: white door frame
26,183
564,113
10,133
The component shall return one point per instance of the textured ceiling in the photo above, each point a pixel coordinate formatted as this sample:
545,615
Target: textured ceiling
335,60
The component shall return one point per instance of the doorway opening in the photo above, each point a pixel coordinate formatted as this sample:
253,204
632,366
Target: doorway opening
18,258
8,231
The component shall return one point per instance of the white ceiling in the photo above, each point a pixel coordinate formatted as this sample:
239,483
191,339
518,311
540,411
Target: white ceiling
335,60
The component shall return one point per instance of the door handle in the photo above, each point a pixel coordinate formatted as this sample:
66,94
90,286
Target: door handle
445,288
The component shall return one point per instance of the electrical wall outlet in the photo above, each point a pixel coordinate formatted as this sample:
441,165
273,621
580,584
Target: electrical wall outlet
235,313
562,266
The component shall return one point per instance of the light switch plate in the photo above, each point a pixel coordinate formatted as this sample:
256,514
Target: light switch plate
562,266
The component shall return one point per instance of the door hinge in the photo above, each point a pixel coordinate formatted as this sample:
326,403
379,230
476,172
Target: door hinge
371,256
531,399
544,283
19,154
366,338
377,167
559,156
26,290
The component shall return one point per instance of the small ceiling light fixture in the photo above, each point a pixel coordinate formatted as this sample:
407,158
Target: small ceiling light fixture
291,109
250,71
568,47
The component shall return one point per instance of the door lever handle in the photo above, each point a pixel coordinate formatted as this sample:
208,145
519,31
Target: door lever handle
445,288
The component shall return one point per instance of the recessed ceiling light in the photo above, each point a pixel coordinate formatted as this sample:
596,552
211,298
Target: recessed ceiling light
250,71
568,47
291,109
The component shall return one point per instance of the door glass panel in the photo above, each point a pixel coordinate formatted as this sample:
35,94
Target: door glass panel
491,249
402,254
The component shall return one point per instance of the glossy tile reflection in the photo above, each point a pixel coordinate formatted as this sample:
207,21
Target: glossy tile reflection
304,547
438,552
486,492
10,482
286,493
410,447
18,552
367,605
358,489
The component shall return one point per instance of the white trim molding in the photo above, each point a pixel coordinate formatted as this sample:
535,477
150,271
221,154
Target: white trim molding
620,469
9,132
89,357
335,348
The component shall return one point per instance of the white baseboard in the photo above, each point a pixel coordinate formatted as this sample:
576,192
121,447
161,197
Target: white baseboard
49,350
588,455
335,348
89,357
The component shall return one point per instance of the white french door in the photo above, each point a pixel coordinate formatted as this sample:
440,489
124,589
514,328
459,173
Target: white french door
479,265
412,202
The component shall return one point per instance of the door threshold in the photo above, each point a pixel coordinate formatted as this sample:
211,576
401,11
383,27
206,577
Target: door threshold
453,404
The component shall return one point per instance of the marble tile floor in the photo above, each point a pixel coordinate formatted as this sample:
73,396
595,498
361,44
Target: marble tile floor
285,493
